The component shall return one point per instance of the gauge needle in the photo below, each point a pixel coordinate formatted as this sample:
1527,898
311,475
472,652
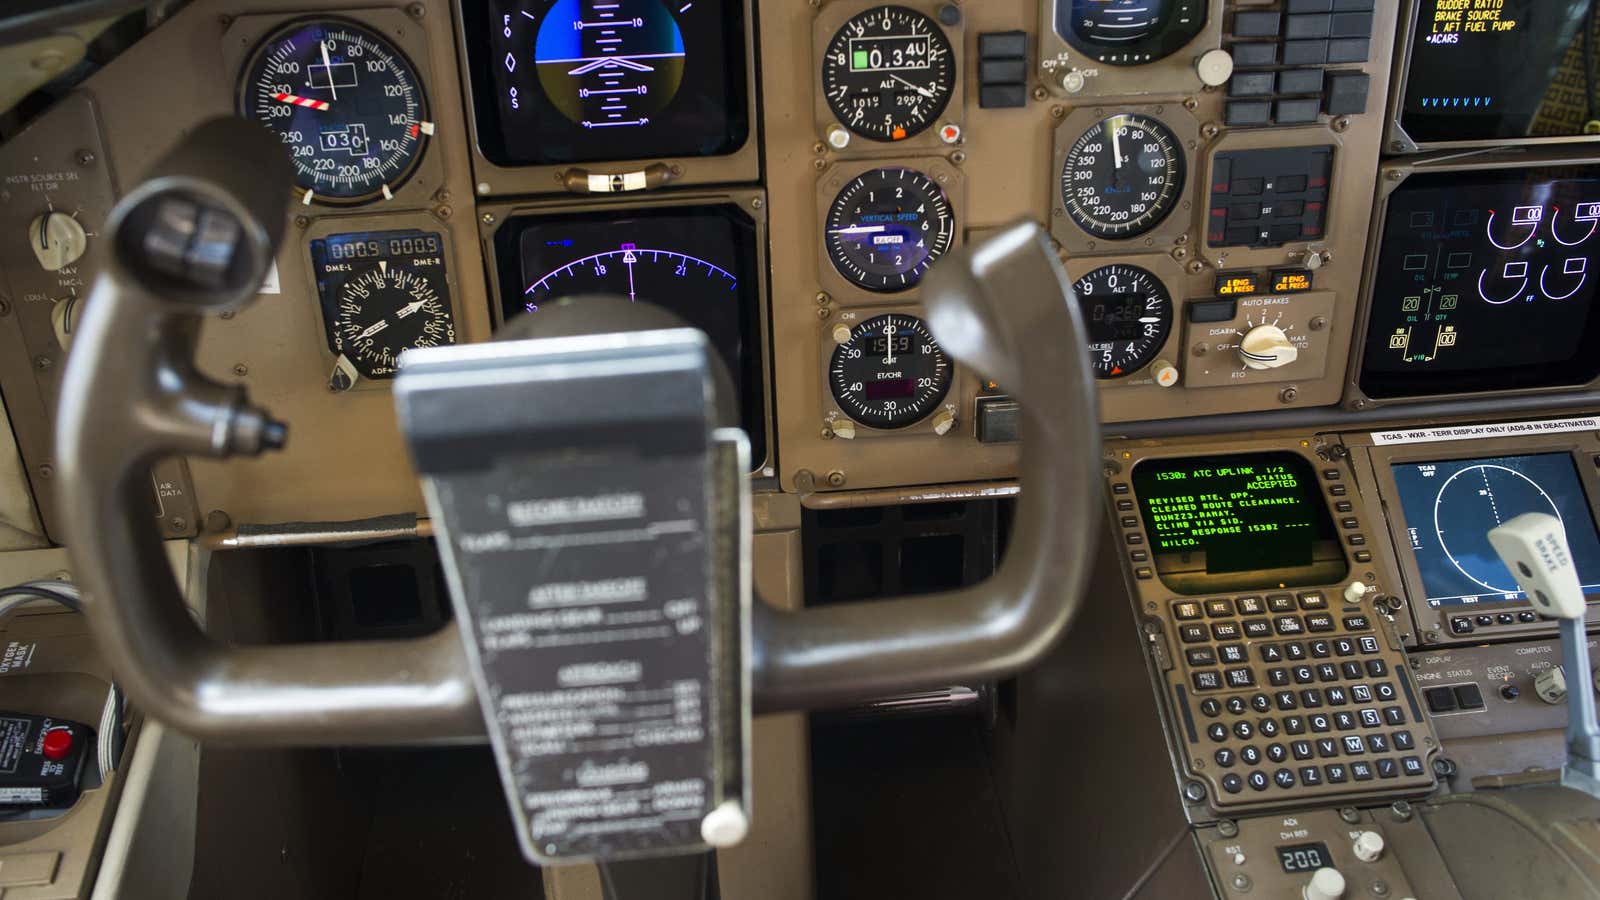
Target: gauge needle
888,344
410,309
329,67
297,100
859,229
373,329
926,92
630,282
1116,147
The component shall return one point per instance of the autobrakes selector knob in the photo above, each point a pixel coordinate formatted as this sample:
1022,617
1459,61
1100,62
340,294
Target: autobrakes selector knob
1267,347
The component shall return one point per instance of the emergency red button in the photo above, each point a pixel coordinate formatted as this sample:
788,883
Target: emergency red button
57,743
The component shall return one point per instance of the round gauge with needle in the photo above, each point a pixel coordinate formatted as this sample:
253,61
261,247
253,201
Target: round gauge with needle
382,293
886,227
1122,177
889,372
1129,314
346,103
888,73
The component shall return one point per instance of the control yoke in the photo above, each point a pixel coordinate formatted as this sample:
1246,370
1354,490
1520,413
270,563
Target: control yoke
197,237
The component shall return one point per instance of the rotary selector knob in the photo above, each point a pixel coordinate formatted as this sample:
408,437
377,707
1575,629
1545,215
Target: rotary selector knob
1551,685
1267,347
1166,374
58,240
1369,846
1354,591
1325,884
943,421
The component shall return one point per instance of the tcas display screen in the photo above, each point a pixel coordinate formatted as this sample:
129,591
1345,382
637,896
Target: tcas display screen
569,81
699,261
1450,506
1483,283
1496,69
1237,522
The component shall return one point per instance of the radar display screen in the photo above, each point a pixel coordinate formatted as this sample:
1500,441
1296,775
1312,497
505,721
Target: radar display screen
1483,283
697,261
1451,505
1498,69
570,81
1237,522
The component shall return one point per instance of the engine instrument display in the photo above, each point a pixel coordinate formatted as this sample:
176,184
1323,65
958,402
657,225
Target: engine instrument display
888,73
1482,283
562,81
1129,314
382,293
1507,69
345,102
891,373
697,261
1122,177
1237,522
1450,506
1129,32
886,227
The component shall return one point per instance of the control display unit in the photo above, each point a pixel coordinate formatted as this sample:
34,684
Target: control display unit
1482,282
886,227
346,103
697,261
1502,70
1129,314
1450,506
567,81
1122,177
382,293
1128,32
888,73
891,373
1237,522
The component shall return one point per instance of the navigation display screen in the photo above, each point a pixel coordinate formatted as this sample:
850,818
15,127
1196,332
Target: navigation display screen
1492,69
1237,522
570,81
1483,283
697,261
1450,506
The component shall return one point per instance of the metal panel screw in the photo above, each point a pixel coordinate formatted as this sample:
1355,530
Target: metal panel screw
488,218
416,10
836,478
47,471
1241,882
1228,828
1444,767
1401,810
1289,395
43,363
86,157
1380,888
756,203
1350,815
5,307
241,370
1194,791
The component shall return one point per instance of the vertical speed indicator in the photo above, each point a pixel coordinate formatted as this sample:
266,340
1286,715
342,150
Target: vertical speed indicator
886,227
888,73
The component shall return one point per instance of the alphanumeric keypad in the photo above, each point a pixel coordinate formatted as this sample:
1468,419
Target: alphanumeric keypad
1294,691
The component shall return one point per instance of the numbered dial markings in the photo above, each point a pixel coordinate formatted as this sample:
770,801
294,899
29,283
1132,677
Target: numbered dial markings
891,373
887,227
1128,312
346,103
1122,177
888,73
387,310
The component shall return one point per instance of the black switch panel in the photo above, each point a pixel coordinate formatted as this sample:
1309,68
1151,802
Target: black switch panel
1268,198
1002,69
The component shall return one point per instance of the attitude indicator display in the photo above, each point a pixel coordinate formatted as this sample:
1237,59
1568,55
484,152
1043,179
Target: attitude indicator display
593,80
